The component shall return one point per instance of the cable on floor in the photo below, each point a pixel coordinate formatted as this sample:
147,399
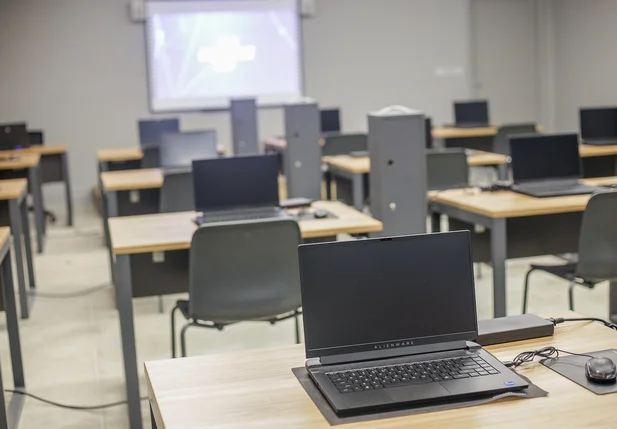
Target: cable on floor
71,407
76,294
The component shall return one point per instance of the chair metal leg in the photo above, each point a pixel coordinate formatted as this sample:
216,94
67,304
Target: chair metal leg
571,295
526,290
297,322
161,309
173,332
183,339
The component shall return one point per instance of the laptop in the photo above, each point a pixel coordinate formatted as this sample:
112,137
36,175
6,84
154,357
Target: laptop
387,327
330,120
237,188
547,165
471,114
599,126
14,136
177,151
150,131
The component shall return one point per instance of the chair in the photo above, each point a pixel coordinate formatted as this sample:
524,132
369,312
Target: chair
177,193
241,271
344,144
446,169
152,157
330,120
150,130
597,249
179,150
428,125
502,143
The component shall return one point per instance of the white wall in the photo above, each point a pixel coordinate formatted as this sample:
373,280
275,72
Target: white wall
76,68
585,59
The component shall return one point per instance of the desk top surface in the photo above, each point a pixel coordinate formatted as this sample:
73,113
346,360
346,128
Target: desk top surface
128,180
5,235
47,150
23,159
174,231
123,154
588,151
12,189
362,164
207,391
506,204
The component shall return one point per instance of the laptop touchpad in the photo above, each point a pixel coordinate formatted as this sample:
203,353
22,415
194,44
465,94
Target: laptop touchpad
417,392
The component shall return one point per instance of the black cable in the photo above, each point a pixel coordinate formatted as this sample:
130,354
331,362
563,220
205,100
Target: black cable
77,294
546,352
558,320
71,407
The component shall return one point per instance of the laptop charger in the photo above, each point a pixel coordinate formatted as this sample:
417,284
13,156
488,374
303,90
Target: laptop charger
513,328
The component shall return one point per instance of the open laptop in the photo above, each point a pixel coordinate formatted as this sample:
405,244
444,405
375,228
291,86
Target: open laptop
599,126
14,136
385,326
150,131
471,114
237,188
177,151
547,165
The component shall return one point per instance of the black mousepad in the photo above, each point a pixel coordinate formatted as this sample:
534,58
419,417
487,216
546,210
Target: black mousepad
326,410
573,368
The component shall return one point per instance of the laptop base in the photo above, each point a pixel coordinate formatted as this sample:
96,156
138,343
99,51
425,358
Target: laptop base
601,142
239,216
472,125
555,189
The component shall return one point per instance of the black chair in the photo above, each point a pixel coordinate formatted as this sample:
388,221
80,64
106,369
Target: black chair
502,139
241,271
37,138
330,120
446,169
597,249
344,144
177,193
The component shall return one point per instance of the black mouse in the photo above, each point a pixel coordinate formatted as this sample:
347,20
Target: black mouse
320,214
601,370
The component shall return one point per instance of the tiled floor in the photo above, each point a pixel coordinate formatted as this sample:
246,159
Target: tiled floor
71,346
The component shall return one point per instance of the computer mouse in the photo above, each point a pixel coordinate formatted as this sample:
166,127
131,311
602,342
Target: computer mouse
601,370
320,214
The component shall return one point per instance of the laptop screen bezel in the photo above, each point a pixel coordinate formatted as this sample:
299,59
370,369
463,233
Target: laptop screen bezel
591,111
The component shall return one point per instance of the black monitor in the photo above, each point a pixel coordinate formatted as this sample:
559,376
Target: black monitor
150,131
545,157
598,123
367,295
36,138
330,120
14,136
471,112
236,182
179,150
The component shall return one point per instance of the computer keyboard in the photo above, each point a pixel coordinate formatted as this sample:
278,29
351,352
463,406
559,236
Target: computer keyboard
384,377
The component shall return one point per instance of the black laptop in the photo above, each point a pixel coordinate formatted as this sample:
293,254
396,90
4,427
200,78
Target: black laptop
547,165
385,326
237,188
471,114
599,126
14,136
150,131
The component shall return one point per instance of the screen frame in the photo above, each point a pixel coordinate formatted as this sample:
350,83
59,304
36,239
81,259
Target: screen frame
397,347
227,107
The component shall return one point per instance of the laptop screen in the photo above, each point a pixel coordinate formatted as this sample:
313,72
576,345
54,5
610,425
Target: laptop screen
179,150
545,157
471,112
150,131
237,182
386,293
330,121
598,123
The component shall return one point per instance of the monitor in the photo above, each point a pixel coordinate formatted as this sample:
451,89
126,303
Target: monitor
598,123
330,120
471,112
36,138
368,295
545,157
236,182
14,136
150,130
179,150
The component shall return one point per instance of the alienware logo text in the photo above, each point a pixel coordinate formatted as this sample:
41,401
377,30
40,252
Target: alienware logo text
393,345
225,55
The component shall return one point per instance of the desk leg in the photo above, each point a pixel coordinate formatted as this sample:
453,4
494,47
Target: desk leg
498,259
67,185
110,209
12,324
16,231
328,179
152,420
613,301
124,298
27,242
502,171
357,182
37,196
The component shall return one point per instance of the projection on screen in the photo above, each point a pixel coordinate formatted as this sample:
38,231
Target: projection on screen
201,54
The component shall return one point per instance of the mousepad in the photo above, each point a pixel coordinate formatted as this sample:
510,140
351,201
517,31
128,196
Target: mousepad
573,368
326,410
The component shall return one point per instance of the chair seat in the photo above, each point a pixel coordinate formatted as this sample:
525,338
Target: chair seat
565,271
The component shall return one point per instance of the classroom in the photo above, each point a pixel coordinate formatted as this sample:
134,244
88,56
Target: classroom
382,214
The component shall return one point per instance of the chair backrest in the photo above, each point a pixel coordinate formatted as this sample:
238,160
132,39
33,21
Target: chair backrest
36,138
330,120
428,124
152,156
150,130
502,139
597,247
446,168
244,270
179,150
177,193
344,144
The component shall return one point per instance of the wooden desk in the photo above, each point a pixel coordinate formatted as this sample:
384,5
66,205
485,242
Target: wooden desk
14,191
150,257
107,157
460,133
9,416
517,226
205,391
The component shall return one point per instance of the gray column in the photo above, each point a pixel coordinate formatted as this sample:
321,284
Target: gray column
396,142
244,128
302,158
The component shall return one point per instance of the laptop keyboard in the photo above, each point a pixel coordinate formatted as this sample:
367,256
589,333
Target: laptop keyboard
384,377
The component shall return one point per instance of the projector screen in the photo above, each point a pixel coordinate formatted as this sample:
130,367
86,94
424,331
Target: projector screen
203,53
